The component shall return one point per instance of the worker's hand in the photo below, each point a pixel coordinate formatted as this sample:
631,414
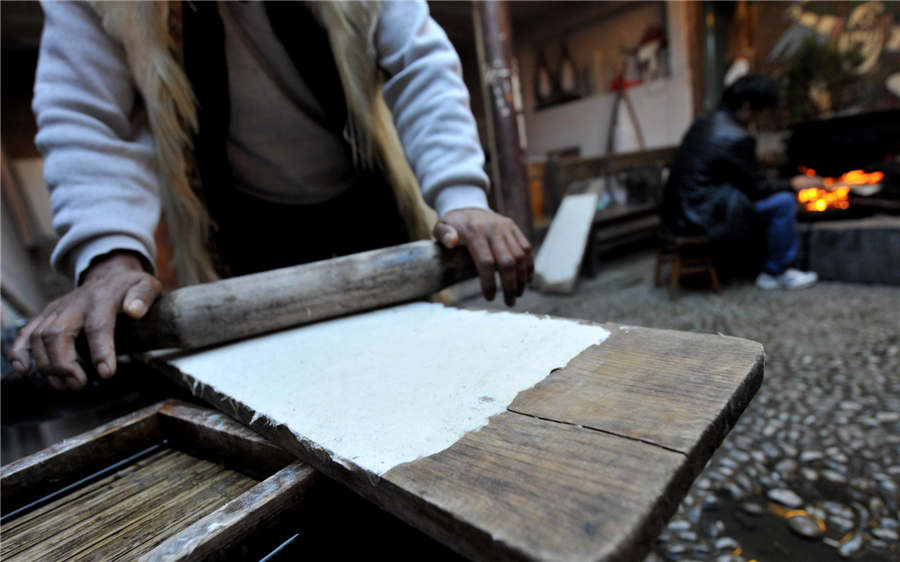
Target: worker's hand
496,244
116,283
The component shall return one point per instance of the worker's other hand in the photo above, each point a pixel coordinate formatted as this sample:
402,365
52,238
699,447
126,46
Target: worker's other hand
116,283
496,244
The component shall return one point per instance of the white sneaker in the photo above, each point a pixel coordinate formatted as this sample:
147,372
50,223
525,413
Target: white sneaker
790,279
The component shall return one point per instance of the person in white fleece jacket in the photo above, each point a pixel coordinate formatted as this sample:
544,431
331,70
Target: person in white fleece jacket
277,156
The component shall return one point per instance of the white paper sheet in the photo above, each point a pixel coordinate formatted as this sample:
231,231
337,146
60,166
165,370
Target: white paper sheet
387,387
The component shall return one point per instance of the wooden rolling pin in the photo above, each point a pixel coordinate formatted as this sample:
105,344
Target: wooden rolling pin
239,307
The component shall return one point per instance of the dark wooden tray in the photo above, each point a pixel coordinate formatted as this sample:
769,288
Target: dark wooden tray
172,481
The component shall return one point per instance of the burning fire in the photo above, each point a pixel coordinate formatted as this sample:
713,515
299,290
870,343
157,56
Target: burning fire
835,192
818,199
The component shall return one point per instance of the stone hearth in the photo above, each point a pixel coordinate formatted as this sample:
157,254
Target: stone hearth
855,251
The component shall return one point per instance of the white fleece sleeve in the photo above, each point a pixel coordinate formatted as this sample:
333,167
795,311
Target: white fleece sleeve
430,104
99,163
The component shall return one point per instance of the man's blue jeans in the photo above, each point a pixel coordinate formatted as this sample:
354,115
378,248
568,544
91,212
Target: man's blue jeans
778,215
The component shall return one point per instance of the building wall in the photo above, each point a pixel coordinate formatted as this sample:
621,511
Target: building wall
663,107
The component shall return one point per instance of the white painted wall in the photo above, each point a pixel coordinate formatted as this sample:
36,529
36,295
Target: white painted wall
664,107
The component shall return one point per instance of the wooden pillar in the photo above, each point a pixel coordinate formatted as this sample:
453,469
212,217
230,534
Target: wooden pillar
500,85
694,26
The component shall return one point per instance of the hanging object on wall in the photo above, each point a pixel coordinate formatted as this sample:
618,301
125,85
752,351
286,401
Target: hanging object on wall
652,55
543,83
568,76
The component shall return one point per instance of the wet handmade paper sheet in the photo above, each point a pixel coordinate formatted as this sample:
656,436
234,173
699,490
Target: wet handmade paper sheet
383,388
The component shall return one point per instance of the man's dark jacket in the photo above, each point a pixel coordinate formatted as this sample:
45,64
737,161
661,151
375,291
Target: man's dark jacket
714,180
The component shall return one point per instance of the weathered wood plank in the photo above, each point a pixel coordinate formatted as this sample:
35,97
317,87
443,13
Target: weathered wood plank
34,476
678,390
523,487
540,490
253,512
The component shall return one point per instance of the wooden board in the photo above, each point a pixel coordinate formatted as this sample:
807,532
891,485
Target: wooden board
192,490
587,465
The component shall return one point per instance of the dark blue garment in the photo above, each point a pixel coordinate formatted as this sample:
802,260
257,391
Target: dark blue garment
777,214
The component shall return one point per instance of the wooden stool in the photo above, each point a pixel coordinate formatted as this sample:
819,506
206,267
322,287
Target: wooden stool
688,254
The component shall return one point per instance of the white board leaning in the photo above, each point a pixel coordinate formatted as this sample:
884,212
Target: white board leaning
559,257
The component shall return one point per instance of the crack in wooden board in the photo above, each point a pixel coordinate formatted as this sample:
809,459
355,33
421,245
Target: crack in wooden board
688,385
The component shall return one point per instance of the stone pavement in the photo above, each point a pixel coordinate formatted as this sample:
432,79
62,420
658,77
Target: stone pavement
811,471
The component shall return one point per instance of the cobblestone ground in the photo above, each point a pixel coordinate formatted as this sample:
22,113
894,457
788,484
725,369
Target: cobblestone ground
812,469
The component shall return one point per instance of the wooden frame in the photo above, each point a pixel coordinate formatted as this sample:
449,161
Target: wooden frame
240,526
618,225
598,166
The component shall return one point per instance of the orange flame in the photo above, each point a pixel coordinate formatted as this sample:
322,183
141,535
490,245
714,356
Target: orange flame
818,199
858,177
835,192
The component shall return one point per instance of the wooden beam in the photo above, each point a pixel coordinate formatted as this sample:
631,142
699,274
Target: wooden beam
500,83
695,33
